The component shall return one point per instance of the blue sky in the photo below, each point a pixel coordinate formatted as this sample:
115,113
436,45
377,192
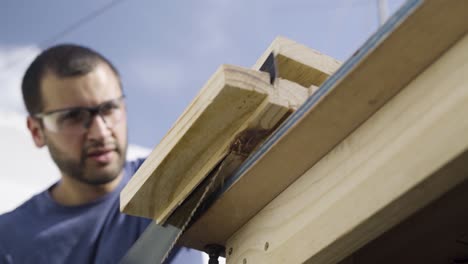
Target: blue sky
167,50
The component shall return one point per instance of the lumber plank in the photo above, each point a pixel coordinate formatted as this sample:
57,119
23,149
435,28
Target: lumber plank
409,153
436,234
298,63
233,100
377,72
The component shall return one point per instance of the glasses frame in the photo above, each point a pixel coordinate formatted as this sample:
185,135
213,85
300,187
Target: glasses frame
94,111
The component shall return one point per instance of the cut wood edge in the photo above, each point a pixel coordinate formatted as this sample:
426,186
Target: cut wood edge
140,196
412,151
255,132
411,40
298,63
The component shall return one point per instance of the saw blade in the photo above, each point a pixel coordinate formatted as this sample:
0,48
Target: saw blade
157,242
188,209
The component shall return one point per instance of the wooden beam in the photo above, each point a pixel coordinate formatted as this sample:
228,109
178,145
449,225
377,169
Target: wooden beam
412,151
436,234
377,72
298,63
233,100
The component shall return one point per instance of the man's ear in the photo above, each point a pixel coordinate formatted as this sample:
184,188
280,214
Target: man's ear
37,133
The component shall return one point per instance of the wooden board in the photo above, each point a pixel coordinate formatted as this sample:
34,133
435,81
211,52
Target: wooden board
436,234
233,100
412,151
298,63
377,72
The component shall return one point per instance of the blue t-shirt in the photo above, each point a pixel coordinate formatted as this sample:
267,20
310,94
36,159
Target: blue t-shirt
43,231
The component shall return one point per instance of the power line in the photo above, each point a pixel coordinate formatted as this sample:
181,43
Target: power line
86,19
80,22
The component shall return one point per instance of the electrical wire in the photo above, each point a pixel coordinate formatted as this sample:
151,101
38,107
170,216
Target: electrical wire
86,19
72,27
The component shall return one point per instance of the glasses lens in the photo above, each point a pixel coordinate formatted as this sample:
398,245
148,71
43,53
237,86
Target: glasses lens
77,120
68,121
111,112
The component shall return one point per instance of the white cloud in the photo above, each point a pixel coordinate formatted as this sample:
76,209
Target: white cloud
13,63
26,170
136,151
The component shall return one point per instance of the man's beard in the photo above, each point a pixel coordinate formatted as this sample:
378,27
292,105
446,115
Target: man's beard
82,171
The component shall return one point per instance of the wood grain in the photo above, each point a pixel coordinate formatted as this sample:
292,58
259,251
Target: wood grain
233,100
436,234
298,63
349,101
295,63
412,151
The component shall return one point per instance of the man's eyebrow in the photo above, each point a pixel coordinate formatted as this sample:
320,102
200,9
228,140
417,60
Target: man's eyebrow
67,109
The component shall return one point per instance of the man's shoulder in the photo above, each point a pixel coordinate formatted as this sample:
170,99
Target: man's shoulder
14,224
24,210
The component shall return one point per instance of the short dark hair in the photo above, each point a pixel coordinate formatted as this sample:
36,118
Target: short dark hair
64,60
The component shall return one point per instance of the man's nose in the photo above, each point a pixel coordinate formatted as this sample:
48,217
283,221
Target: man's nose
98,128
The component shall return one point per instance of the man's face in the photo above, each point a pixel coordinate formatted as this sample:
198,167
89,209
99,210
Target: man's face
96,155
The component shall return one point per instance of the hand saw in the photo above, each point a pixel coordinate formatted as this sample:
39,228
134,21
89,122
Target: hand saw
156,243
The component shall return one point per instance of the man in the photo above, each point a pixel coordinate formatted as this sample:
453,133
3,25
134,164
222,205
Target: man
76,108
